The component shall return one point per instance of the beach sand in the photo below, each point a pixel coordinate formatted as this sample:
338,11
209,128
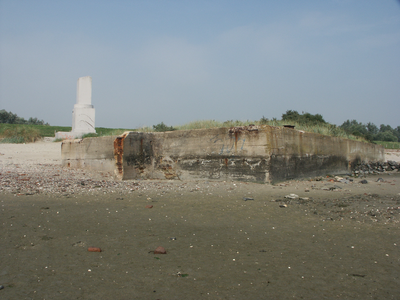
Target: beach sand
224,240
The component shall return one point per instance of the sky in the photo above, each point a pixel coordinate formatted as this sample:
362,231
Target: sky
177,61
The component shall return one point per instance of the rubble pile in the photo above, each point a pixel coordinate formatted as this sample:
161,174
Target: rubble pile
375,167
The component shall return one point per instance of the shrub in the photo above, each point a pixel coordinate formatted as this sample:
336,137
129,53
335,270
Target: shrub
263,121
305,118
162,127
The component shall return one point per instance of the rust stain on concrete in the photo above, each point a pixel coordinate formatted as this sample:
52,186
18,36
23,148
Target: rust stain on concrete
236,139
119,151
243,128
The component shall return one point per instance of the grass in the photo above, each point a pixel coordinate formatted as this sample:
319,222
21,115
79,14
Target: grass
19,134
22,133
389,145
44,131
102,131
200,124
324,129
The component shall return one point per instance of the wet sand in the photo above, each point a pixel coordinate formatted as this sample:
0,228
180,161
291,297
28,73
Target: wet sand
224,240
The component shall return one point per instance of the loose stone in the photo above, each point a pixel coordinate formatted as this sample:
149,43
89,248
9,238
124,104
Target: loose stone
247,198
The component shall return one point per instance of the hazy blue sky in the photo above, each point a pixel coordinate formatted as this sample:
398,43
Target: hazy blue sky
179,61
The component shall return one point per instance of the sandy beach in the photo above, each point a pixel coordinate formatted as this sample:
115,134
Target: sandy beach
311,239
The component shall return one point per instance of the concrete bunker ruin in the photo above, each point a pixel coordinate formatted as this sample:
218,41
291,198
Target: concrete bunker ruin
250,153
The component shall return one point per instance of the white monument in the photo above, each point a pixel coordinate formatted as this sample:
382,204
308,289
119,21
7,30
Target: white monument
83,112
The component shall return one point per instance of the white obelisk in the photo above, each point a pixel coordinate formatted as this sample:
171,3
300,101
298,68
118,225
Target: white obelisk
83,113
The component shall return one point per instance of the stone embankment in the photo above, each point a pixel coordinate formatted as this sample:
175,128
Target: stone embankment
375,167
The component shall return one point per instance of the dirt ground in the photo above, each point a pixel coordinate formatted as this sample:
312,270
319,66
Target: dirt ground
337,244
224,240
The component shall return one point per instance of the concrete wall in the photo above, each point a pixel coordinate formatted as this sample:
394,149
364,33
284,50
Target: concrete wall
189,154
297,154
251,153
90,153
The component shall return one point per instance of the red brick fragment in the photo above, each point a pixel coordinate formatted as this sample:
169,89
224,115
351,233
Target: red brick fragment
149,206
160,250
94,249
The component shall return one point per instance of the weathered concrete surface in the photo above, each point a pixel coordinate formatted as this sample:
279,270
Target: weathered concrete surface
251,153
298,154
91,153
218,153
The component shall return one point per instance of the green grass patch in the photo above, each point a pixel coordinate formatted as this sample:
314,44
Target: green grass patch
389,145
12,133
87,135
23,133
50,131
43,130
102,131
324,129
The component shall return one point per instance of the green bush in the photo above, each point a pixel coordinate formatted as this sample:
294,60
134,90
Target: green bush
162,127
305,118
386,136
263,121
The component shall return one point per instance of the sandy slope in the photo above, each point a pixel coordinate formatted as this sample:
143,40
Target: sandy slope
31,154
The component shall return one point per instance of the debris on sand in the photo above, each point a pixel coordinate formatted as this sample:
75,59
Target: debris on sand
94,249
160,250
247,198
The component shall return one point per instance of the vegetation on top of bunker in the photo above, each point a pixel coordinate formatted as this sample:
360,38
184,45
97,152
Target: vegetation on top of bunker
14,129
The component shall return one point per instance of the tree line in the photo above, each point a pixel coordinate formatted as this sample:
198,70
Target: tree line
368,131
371,132
10,118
